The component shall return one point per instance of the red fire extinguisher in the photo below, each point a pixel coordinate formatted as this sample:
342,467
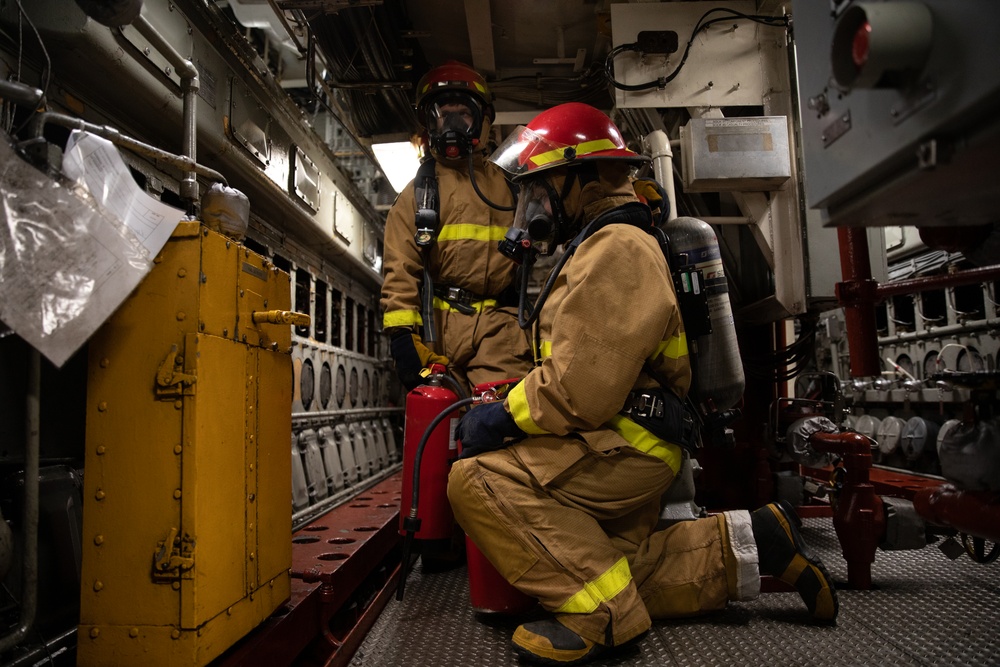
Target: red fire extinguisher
432,462
488,590
429,448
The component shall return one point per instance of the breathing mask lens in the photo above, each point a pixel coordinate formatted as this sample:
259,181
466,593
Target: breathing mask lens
454,123
534,217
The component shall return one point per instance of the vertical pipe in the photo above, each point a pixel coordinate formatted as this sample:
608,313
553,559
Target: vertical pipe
663,165
189,85
857,295
29,572
859,516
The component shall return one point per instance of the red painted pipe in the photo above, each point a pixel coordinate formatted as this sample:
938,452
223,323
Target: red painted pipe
974,512
858,514
857,295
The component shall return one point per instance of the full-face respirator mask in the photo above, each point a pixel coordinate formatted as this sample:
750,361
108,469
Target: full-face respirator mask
454,123
540,222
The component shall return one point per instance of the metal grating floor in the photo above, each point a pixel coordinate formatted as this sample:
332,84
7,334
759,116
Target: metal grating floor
926,610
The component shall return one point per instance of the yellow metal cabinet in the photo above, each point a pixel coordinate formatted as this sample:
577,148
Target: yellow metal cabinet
187,510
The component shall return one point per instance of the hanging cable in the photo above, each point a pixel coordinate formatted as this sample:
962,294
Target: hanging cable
661,82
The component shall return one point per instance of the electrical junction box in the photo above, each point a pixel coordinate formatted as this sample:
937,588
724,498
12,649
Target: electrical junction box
735,154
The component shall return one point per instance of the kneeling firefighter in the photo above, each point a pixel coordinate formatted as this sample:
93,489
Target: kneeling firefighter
560,483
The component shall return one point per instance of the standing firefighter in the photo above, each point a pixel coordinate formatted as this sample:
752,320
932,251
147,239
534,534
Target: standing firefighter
442,296
560,484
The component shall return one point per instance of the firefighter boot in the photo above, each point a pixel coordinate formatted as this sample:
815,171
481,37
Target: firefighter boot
549,642
783,554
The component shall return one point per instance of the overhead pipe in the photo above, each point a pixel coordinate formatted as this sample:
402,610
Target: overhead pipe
859,516
128,12
182,163
29,556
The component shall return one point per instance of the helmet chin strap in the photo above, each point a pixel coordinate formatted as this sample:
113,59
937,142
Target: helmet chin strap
565,225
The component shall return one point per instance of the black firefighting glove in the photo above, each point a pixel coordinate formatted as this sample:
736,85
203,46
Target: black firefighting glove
485,428
411,357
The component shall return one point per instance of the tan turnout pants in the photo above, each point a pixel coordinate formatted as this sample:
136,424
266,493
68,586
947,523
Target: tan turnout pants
482,347
574,528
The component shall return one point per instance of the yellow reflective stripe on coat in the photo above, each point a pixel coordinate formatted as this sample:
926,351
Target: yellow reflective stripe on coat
675,348
581,149
546,350
401,318
646,442
602,589
469,232
517,402
478,306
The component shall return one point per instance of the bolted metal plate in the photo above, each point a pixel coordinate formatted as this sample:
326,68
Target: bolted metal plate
925,610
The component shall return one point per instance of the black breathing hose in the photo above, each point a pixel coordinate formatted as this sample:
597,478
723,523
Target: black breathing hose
475,186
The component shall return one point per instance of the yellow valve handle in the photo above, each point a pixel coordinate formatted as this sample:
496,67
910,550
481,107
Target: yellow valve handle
281,317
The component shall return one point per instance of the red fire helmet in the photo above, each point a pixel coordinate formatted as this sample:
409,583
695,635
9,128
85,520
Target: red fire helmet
563,135
452,77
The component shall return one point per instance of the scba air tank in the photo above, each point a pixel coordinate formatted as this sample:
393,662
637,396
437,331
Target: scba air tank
717,370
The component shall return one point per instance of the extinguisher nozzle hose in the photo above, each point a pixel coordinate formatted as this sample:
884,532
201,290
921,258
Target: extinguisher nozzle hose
404,566
423,443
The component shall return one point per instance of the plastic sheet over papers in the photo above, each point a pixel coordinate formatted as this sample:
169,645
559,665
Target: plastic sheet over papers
69,258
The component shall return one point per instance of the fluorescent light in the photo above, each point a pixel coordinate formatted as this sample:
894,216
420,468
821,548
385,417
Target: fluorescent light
399,161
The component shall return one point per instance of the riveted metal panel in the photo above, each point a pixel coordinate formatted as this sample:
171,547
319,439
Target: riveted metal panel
130,431
192,428
273,468
218,276
261,287
215,481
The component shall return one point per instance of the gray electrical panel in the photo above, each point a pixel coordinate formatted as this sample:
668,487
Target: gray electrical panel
900,105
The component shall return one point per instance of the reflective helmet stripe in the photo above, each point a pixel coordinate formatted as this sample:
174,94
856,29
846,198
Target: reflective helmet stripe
582,150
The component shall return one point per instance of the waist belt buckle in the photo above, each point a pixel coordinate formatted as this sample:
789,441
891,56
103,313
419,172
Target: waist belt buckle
458,295
647,405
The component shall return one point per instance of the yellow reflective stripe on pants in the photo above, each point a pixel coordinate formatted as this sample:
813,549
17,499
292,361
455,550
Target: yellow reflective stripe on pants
478,306
675,348
468,232
646,442
401,318
603,588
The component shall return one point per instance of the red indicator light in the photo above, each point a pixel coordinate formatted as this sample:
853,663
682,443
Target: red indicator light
860,47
